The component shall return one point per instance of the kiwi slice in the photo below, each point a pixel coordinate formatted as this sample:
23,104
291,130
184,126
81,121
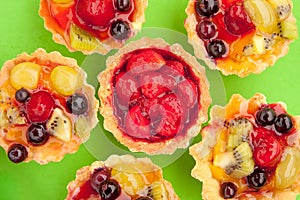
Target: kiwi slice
59,125
239,130
238,163
155,191
288,29
283,8
82,40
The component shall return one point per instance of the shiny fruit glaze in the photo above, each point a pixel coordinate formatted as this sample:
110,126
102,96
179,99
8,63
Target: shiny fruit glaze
35,106
95,16
224,22
270,147
155,95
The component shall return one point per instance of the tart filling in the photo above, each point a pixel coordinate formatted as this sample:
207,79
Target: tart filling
250,149
157,96
93,25
121,178
240,36
47,108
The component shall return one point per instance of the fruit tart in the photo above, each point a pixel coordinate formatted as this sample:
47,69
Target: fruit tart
46,107
249,150
93,25
240,36
154,96
121,178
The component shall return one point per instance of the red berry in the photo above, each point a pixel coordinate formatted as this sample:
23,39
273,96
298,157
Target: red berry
206,29
145,61
172,116
137,123
98,177
154,84
126,87
237,20
190,91
267,150
95,12
173,68
40,106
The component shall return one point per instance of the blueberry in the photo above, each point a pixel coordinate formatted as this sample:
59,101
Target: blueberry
216,48
207,7
123,5
120,30
17,153
77,104
265,116
22,95
228,190
257,179
37,134
109,190
283,123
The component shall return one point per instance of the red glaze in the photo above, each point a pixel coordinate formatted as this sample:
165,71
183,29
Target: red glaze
159,109
86,190
146,61
267,150
40,106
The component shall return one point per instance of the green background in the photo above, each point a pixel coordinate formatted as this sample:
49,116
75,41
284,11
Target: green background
22,30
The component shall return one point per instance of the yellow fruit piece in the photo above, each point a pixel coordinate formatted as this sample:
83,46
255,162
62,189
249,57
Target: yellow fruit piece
283,8
62,1
289,30
65,80
82,128
25,75
288,169
262,15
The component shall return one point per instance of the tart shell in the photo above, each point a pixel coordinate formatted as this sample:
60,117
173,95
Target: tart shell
106,108
254,64
60,37
55,149
84,174
203,154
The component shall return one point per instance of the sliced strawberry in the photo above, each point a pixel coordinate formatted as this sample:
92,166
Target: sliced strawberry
95,12
190,91
173,68
154,84
137,123
267,150
145,61
126,88
237,20
40,106
171,114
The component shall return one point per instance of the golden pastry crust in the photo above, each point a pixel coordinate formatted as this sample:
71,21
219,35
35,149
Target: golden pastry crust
54,149
60,36
203,151
106,108
241,66
138,166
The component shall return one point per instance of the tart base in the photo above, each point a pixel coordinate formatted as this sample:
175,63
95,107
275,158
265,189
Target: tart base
106,108
203,151
54,150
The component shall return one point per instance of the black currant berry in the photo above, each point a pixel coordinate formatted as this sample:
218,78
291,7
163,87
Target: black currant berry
37,134
283,123
123,5
207,7
257,179
77,104
265,116
228,190
120,30
109,190
17,153
22,95
216,48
